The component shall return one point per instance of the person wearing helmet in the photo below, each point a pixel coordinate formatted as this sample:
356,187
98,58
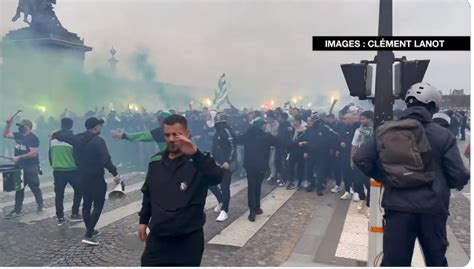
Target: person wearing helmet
223,151
418,212
156,134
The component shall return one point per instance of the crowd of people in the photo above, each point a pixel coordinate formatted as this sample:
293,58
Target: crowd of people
293,148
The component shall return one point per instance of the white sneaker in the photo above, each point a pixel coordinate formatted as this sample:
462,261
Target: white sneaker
351,191
355,197
336,189
218,208
222,216
361,206
346,196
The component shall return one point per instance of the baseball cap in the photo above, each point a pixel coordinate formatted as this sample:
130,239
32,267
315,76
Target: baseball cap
163,115
25,123
93,122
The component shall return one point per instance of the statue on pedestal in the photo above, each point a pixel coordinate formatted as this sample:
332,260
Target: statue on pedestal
43,17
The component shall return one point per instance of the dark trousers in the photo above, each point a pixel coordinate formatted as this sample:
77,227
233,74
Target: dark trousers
281,163
254,178
402,228
222,192
347,173
361,181
296,167
337,169
181,250
31,177
320,166
94,190
463,133
61,179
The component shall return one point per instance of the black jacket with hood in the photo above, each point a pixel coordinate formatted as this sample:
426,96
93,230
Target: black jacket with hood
257,145
90,153
223,148
447,164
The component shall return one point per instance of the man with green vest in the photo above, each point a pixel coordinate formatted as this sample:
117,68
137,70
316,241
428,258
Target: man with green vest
156,134
62,161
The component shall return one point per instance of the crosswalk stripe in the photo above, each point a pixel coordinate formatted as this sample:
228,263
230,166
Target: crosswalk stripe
235,188
241,230
354,240
133,208
31,199
51,211
51,183
51,194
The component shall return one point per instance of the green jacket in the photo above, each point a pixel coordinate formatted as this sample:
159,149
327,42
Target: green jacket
156,135
61,156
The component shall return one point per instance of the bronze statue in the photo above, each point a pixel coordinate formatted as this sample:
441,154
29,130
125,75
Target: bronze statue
42,14
26,7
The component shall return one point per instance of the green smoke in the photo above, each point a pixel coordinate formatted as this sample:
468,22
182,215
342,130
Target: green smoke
43,83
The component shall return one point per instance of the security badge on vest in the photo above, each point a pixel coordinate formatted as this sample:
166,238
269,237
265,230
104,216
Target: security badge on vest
183,186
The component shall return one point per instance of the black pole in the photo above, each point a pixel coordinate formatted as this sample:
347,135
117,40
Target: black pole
383,80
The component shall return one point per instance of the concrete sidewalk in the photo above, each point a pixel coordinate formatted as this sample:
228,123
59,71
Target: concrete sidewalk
328,236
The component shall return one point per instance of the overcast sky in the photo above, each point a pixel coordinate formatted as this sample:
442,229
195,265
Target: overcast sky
264,47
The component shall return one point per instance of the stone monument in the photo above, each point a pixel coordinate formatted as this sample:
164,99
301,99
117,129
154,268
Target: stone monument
44,38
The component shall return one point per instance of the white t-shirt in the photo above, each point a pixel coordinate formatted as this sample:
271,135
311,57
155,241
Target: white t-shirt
355,139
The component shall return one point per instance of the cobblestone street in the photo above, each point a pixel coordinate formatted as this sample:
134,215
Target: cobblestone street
269,243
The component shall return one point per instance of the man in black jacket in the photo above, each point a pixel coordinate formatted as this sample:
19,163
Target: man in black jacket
285,131
92,156
346,133
174,194
257,144
223,151
320,140
419,212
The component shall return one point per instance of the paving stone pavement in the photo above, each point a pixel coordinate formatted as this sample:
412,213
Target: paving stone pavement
43,243
460,221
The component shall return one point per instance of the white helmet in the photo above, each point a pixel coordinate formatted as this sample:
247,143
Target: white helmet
425,93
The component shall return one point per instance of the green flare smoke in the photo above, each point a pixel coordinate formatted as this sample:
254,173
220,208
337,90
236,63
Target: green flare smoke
43,83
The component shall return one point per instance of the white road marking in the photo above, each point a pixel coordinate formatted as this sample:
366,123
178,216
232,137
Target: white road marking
134,207
241,230
51,211
354,240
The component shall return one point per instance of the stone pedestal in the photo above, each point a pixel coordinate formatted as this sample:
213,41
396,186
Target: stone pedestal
40,67
60,48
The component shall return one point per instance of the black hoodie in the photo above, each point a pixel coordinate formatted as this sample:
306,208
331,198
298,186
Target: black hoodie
449,168
257,145
223,148
90,153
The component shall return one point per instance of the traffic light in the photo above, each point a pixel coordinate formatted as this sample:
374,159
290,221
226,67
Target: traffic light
359,79
408,73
